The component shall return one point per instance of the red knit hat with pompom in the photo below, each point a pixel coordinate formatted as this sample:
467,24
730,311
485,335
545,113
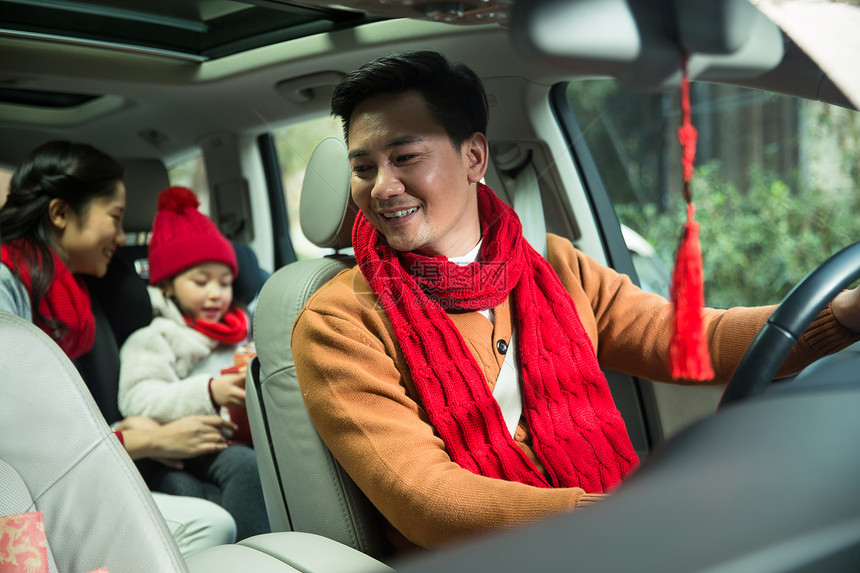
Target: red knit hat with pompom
183,237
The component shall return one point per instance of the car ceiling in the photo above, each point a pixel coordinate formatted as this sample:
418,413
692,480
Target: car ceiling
172,66
198,30
150,78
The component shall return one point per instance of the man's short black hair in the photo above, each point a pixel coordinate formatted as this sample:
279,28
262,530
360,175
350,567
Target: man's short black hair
454,94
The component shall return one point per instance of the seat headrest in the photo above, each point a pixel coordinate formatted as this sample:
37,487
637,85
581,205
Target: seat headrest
144,179
326,209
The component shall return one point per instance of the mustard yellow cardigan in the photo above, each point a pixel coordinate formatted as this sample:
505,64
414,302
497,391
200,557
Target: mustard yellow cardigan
360,395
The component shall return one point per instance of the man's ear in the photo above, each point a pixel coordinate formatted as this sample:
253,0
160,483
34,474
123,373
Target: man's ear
476,149
59,212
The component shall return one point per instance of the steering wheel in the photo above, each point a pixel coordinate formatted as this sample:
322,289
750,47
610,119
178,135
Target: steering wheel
789,321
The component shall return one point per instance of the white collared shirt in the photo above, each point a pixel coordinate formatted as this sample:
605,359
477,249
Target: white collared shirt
467,259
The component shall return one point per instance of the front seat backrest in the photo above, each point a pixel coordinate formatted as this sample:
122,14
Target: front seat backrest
96,509
305,487
60,458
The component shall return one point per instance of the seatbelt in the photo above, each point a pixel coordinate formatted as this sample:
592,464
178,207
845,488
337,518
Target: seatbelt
507,389
526,201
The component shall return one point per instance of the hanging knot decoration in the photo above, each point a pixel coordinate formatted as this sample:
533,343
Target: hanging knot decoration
688,353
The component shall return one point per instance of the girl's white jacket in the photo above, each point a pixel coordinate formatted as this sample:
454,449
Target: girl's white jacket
165,367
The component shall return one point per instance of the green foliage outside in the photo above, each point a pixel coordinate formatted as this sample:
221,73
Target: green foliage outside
758,244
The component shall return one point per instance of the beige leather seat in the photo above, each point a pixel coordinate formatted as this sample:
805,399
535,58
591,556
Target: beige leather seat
58,456
61,458
304,486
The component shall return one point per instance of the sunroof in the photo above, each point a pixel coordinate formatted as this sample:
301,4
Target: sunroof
197,29
44,98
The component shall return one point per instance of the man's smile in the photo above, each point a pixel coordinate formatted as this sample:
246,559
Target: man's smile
401,213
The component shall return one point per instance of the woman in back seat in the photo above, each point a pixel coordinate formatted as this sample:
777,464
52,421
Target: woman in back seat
63,219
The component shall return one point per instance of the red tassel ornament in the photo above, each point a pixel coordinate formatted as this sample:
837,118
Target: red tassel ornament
688,353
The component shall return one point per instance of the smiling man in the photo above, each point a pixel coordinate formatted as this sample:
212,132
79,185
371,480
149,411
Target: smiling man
395,146
454,371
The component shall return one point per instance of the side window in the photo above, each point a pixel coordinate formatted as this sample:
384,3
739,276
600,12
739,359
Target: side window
776,182
294,144
191,173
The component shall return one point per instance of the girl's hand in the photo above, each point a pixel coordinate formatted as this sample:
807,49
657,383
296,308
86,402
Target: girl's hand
229,390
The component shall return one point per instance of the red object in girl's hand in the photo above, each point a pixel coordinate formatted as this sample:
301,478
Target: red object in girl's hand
239,416
242,433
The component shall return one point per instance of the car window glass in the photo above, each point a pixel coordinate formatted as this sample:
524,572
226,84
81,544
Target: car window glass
295,144
191,173
776,183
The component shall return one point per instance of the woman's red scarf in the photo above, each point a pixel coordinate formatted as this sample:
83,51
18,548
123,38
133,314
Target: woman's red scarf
578,434
67,299
232,329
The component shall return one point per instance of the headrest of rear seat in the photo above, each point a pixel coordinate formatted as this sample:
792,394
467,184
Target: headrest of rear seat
144,179
326,210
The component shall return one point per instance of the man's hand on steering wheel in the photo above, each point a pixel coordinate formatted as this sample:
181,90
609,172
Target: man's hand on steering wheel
846,309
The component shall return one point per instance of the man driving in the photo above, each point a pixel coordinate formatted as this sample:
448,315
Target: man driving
454,372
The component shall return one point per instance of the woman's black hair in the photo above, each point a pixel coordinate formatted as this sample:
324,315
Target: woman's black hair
75,173
454,94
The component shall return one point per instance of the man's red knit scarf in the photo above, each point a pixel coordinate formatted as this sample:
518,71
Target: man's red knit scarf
232,329
67,299
577,432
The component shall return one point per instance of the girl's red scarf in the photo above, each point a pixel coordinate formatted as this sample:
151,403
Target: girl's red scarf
232,329
578,434
67,299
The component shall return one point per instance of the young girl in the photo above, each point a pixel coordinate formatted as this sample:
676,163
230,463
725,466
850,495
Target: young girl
63,219
171,368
